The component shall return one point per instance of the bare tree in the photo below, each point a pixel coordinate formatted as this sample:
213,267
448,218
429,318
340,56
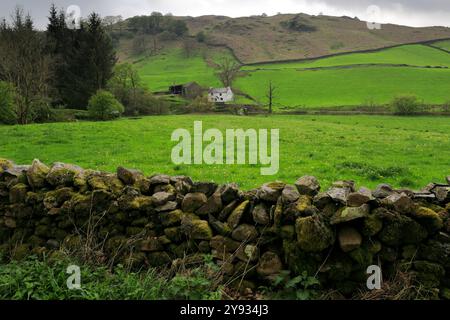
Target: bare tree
188,47
24,64
228,71
271,95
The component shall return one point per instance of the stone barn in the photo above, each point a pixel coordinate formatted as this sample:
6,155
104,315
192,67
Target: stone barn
189,90
220,95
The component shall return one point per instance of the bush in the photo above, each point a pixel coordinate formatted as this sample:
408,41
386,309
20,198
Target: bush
104,106
7,103
167,36
406,105
201,37
200,104
446,106
147,104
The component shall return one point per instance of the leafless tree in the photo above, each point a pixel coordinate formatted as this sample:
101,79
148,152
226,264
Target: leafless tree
24,64
271,95
228,71
188,47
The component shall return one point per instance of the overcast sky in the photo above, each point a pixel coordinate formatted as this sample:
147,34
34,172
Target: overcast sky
405,12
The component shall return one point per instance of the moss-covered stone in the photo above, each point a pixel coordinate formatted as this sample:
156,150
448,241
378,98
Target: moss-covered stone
278,214
193,201
219,227
224,244
107,182
349,239
287,232
388,254
129,176
313,234
56,198
261,215
372,225
338,267
236,216
171,218
62,174
399,229
270,192
197,230
374,246
5,165
362,256
43,231
18,193
308,185
248,253
36,174
347,214
269,264
304,207
113,245
429,218
212,206
132,202
80,203
245,232
429,274
134,231
409,252
174,234
298,260
74,242
151,245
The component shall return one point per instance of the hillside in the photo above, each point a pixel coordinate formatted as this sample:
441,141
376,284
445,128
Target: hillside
332,62
255,39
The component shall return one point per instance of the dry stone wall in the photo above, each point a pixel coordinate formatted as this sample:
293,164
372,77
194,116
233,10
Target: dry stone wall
142,221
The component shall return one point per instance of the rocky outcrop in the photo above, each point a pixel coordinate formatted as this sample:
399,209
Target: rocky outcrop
153,221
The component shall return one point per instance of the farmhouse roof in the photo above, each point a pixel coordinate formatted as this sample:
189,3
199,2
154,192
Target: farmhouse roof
219,90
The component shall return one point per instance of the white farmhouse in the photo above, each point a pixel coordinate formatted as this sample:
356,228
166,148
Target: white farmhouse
220,95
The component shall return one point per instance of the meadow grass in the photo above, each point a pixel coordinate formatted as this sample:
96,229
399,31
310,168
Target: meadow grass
174,67
414,55
315,88
347,87
443,44
403,151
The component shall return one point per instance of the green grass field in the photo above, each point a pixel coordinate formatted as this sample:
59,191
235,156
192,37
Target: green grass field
443,44
174,67
347,87
345,80
403,151
414,55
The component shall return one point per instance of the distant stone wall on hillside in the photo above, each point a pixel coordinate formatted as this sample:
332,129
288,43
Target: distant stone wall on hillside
254,235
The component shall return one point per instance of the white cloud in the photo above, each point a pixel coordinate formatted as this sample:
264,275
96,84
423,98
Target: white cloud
406,12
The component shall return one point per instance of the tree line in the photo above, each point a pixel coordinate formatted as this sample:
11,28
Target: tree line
65,66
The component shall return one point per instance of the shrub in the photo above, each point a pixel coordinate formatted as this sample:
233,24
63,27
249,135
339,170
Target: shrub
167,36
104,106
147,104
406,105
7,103
200,104
446,106
201,37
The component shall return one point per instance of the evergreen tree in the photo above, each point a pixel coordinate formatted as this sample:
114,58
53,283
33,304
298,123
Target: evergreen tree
85,58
